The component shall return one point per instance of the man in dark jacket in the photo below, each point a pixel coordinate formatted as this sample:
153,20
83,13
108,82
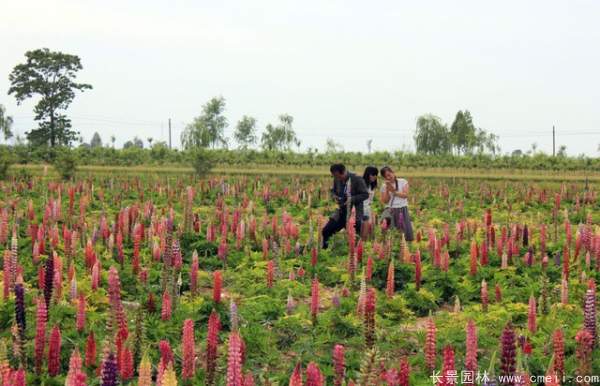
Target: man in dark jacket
349,190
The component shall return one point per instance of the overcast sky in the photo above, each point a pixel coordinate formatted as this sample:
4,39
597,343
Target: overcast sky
349,70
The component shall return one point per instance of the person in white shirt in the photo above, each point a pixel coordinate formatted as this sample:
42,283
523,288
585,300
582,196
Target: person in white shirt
394,194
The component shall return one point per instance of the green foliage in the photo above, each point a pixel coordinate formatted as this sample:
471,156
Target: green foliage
202,162
431,135
5,123
65,163
207,130
6,160
245,132
280,137
51,75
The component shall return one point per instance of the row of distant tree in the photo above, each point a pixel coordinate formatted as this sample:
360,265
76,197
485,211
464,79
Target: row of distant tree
50,77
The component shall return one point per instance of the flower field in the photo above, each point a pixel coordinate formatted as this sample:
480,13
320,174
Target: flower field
174,280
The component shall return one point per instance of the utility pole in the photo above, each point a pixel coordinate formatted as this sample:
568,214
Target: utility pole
553,142
170,133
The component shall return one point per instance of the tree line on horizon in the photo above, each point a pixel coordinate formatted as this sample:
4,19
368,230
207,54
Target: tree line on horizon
51,77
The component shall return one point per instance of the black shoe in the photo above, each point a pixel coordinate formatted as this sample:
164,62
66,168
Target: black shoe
324,244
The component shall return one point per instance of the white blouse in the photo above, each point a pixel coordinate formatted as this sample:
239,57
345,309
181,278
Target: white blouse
397,202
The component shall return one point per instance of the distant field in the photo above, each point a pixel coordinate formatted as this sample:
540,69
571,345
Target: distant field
538,175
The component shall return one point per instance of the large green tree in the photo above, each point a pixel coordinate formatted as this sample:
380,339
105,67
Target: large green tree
5,124
208,129
245,132
280,137
431,135
466,138
51,76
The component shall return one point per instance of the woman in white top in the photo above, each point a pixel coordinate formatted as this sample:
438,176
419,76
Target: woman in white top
370,177
394,194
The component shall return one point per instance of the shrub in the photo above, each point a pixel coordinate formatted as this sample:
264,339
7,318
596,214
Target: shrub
202,162
65,164
6,160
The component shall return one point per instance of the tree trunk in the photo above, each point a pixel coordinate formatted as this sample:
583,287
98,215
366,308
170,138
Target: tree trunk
52,141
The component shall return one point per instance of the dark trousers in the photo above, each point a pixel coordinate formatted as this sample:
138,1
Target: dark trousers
334,225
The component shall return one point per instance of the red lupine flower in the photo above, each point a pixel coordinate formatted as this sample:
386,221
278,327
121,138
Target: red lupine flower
114,296
508,353
80,323
54,352
188,369
418,270
166,353
95,276
75,364
314,300
370,317
270,272
559,352
471,352
90,350
430,343
126,364
40,335
389,287
448,370
214,325
339,364
296,377
234,360
166,306
313,375
313,257
531,319
217,283
404,372
19,378
369,271
584,352
473,269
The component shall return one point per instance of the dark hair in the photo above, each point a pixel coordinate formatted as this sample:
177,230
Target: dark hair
370,171
337,168
384,170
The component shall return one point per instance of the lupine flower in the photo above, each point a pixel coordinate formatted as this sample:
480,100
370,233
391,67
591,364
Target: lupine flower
369,271
165,313
471,352
54,352
448,369
217,284
313,375
389,287
370,318
40,335
126,364
314,302
80,322
558,344
234,360
75,372
166,353
508,353
90,350
339,364
564,291
404,372
109,370
214,325
531,319
418,270
584,352
589,312
474,253
296,377
48,282
145,372
20,309
270,271
498,293
188,369
430,343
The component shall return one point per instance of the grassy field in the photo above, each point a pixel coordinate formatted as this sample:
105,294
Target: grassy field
493,174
